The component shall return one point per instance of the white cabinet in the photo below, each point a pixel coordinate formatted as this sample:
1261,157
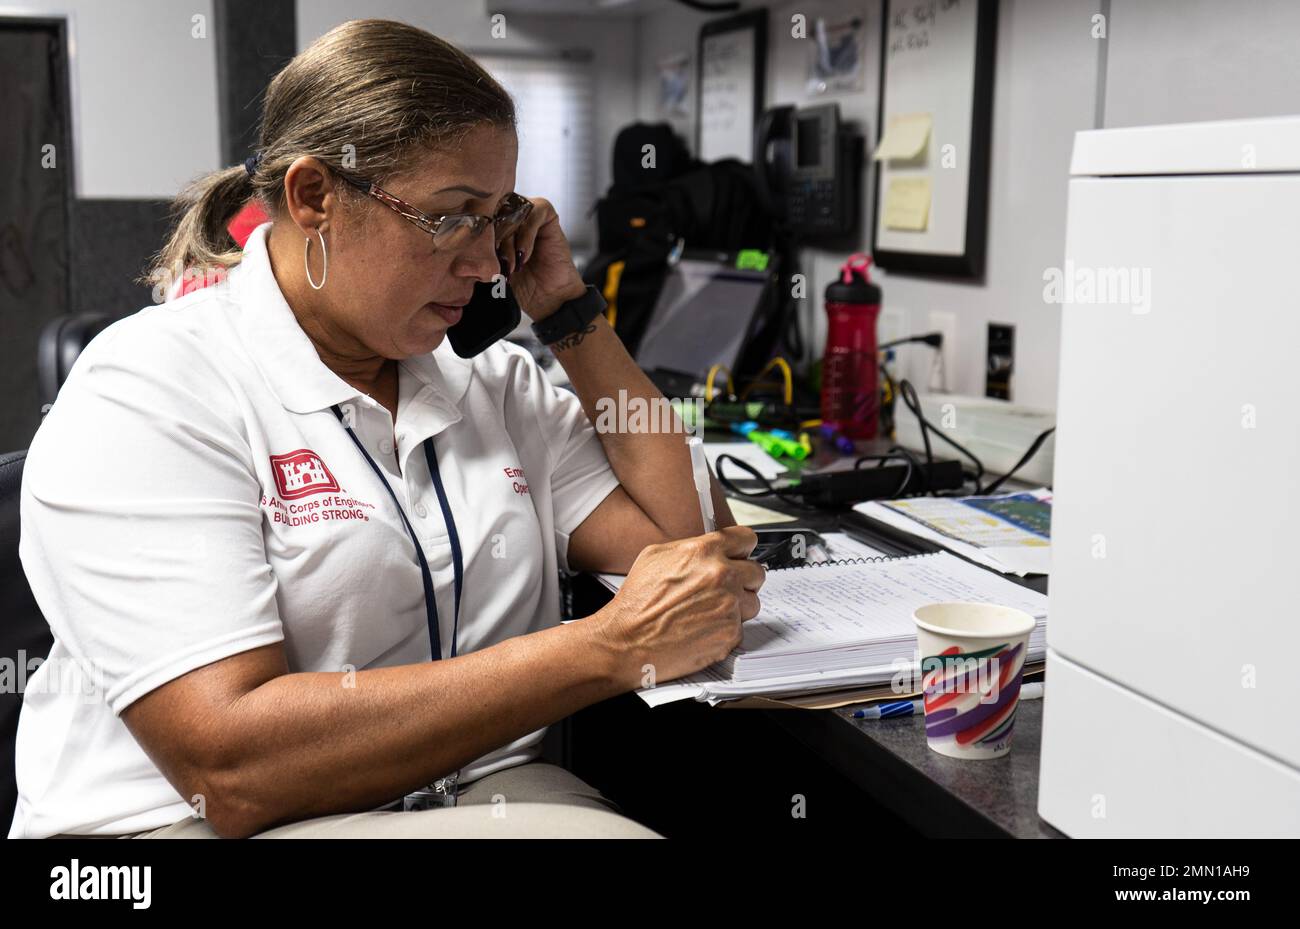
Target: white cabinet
1173,707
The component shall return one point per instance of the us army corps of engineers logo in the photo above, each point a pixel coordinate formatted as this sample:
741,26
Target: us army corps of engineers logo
301,473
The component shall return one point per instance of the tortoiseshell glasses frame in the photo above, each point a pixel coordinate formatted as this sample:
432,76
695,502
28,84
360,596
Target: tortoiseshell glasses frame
452,230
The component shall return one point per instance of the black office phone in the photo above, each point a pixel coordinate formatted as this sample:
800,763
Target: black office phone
809,168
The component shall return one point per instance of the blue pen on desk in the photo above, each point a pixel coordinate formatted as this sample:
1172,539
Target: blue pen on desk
890,710
1030,691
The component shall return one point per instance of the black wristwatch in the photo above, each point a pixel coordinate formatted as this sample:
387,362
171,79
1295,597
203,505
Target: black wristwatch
572,316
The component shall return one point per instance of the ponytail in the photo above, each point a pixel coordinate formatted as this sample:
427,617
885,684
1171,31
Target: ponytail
199,242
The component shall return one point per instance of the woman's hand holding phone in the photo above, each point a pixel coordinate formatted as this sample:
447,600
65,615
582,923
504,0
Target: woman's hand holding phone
536,261
539,263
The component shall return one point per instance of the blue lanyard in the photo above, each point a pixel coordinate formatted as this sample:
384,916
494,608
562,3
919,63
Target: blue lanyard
430,602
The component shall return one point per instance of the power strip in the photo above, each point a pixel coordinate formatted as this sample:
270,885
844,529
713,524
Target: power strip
842,488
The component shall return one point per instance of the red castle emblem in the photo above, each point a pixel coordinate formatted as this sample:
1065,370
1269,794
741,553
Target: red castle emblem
301,473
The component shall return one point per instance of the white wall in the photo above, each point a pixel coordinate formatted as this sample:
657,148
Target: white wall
1176,61
660,36
144,93
1044,90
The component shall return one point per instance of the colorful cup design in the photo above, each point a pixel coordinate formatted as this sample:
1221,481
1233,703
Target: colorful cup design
972,661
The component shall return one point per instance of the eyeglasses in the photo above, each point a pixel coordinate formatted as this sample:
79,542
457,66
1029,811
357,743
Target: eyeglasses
453,230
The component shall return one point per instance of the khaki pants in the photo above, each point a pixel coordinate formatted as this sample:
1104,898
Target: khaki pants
529,801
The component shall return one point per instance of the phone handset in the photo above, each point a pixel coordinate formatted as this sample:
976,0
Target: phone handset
491,314
774,158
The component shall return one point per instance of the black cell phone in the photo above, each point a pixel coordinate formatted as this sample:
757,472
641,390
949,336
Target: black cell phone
788,548
487,318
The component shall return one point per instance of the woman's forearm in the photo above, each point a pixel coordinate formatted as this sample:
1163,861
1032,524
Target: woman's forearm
311,744
653,464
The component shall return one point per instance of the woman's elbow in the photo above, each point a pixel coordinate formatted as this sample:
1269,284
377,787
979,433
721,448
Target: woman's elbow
224,796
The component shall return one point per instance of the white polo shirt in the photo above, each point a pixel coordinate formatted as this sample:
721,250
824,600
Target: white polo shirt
191,496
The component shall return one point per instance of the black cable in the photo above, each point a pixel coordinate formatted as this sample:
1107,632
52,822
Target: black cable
903,387
933,339
907,453
887,410
770,490
729,6
791,335
908,393
890,456
1033,449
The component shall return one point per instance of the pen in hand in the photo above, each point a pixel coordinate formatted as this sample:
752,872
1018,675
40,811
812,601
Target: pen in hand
700,469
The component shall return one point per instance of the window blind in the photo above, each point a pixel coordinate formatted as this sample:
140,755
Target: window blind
554,102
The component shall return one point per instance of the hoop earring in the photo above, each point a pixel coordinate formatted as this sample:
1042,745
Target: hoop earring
325,258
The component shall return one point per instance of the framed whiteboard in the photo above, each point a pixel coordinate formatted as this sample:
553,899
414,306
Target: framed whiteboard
935,123
731,64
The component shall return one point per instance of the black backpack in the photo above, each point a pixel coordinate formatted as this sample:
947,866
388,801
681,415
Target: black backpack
651,208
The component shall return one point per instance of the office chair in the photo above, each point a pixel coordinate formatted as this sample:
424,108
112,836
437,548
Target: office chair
62,339
24,634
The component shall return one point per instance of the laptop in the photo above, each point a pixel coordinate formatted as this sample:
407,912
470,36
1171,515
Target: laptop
704,316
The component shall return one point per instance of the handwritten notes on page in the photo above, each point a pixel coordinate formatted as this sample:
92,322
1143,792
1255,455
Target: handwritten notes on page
834,626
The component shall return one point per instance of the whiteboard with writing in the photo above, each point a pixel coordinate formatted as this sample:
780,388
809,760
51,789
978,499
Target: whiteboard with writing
930,68
727,93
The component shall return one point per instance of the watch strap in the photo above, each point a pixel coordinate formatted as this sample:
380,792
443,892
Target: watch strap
572,316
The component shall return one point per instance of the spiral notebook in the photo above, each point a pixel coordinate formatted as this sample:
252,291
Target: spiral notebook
846,622
857,612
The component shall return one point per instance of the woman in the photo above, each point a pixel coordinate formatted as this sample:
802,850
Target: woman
257,512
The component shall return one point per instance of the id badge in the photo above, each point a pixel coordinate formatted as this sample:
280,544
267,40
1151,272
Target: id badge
441,793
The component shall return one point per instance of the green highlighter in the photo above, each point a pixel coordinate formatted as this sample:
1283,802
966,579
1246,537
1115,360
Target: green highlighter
776,446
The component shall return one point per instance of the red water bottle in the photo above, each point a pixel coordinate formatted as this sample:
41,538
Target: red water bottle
850,369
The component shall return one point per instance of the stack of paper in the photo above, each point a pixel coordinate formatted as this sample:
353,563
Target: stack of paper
1010,533
832,626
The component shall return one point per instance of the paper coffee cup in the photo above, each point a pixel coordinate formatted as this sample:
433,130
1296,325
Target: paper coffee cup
972,661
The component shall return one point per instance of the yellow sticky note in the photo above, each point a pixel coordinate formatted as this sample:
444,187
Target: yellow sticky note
907,204
751,514
905,137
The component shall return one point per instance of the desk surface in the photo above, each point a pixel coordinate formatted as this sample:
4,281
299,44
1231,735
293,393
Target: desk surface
941,796
889,760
